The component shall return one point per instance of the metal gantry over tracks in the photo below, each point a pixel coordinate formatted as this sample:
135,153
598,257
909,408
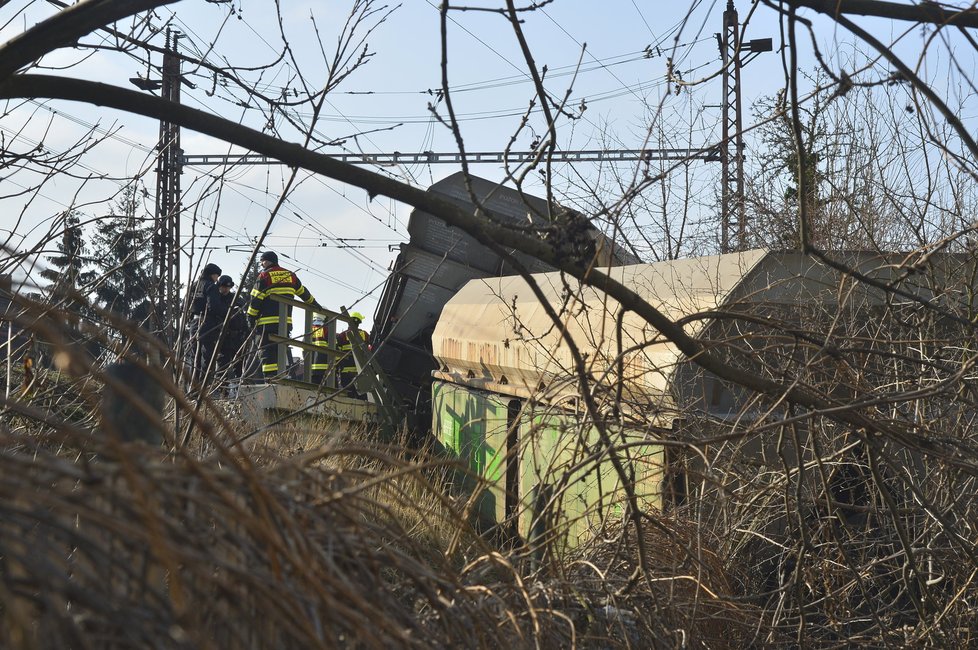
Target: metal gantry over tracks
710,154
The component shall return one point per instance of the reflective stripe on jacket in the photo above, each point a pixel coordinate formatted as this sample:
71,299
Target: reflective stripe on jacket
343,344
280,282
319,338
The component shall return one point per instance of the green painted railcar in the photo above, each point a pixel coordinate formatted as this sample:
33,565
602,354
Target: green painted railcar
543,469
507,398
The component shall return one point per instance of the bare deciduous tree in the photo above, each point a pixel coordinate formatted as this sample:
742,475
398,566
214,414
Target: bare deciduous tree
834,506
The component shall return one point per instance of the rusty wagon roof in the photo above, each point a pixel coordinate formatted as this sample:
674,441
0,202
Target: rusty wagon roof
495,334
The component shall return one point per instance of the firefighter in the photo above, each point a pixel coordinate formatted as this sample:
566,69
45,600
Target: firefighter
348,371
202,307
320,360
230,361
263,312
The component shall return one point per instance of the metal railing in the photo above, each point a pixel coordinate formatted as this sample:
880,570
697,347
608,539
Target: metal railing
371,379
284,340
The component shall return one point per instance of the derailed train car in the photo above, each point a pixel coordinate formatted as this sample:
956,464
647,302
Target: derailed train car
508,396
438,260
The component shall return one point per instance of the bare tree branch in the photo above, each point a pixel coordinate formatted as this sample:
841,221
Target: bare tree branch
925,12
64,28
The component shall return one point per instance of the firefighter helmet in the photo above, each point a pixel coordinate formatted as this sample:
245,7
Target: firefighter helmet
357,316
269,256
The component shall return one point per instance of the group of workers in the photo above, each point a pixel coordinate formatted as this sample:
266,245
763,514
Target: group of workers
224,324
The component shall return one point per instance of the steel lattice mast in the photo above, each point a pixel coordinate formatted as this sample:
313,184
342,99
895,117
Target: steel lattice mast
733,226
166,236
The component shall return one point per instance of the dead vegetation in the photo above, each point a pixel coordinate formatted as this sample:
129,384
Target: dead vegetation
136,513
106,543
308,535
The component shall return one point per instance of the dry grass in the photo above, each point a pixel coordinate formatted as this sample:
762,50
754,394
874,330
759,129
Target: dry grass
339,542
310,536
112,544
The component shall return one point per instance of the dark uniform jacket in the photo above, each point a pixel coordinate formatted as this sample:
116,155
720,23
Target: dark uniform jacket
207,307
275,281
205,290
217,307
237,325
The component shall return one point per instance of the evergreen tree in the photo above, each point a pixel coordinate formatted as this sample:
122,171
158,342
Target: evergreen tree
68,266
69,276
124,257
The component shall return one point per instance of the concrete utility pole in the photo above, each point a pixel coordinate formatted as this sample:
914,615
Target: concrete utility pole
166,236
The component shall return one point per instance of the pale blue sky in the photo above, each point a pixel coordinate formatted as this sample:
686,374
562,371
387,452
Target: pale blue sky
625,92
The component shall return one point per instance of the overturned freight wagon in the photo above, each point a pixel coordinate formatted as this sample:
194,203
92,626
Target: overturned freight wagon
509,399
439,259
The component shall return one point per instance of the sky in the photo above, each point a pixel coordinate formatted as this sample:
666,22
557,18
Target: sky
610,57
